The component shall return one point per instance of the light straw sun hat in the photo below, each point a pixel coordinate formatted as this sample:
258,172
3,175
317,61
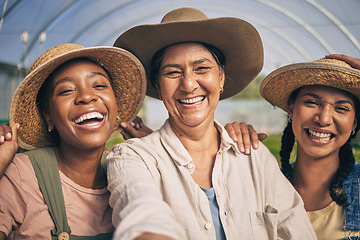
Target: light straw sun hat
128,80
238,40
277,87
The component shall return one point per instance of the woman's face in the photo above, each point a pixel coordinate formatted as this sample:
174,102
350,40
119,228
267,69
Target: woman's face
322,120
82,104
189,84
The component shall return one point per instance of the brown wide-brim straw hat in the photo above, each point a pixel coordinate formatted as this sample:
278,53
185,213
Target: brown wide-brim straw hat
277,87
128,81
238,40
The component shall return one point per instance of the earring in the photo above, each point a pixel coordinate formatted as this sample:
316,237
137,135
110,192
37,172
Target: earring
289,119
160,97
353,132
221,90
49,128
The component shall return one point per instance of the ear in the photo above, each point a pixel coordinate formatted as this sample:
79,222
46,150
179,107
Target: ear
354,125
222,79
49,123
290,111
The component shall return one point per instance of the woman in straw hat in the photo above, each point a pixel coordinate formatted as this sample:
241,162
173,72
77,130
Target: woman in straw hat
68,105
322,102
188,180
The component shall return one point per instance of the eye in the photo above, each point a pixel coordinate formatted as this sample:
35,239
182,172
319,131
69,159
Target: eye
202,69
311,102
172,74
342,109
101,84
64,91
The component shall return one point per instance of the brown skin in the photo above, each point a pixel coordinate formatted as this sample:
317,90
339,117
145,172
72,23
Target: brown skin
135,129
322,110
77,88
8,145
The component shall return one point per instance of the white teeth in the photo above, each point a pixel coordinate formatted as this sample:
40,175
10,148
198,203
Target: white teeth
320,136
191,100
87,116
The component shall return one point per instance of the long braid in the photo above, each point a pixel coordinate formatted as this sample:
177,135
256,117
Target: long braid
347,162
287,144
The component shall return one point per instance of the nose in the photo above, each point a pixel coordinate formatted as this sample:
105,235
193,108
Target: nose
189,82
85,95
324,116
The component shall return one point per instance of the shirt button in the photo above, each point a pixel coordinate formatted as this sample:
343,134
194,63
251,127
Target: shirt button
190,165
207,226
63,236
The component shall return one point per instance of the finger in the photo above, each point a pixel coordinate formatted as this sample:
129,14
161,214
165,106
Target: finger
354,62
246,137
262,136
239,132
5,133
129,131
253,137
14,128
231,131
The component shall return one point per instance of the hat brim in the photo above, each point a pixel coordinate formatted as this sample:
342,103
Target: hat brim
129,83
277,87
238,40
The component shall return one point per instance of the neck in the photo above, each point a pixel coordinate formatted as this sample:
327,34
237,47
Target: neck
202,143
82,166
312,179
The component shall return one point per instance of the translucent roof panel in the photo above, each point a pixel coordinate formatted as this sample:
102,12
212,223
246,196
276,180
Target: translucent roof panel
291,30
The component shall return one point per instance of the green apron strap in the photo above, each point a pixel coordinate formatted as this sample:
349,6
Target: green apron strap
47,173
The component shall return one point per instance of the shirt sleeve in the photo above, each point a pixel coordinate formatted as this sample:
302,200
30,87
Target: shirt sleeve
136,199
292,220
12,197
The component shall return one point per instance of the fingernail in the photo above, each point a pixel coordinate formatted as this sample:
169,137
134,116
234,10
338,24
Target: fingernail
123,125
8,135
247,151
18,126
256,145
132,124
2,139
242,149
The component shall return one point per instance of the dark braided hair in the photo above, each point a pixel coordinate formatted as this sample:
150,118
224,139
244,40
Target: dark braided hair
346,157
287,144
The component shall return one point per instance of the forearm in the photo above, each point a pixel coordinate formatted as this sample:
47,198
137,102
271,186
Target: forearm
136,199
152,236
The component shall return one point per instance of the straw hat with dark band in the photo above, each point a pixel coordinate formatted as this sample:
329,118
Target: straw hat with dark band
238,40
277,87
126,71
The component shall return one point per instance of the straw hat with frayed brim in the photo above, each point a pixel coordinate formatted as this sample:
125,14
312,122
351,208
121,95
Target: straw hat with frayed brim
277,87
128,80
238,40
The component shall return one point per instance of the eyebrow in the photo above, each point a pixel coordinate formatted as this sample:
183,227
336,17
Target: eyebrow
202,60
337,102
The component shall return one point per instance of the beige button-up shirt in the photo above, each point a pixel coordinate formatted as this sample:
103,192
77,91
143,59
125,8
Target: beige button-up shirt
152,191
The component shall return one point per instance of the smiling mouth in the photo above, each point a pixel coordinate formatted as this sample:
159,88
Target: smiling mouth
189,101
320,136
89,118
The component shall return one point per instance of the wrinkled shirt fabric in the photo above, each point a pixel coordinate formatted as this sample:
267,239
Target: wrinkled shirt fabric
152,191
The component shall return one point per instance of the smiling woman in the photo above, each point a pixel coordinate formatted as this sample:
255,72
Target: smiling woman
68,106
188,180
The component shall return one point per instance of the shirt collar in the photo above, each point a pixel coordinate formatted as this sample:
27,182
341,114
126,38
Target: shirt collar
178,152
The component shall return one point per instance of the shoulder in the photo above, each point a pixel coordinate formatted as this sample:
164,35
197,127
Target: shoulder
354,174
20,167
